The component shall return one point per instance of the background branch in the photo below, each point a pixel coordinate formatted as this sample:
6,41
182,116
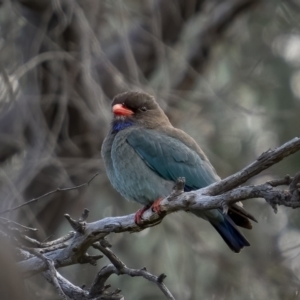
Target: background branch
219,69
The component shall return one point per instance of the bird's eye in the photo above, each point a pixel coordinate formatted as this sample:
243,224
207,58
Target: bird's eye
144,108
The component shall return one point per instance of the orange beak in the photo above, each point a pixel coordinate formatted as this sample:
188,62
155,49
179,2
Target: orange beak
120,110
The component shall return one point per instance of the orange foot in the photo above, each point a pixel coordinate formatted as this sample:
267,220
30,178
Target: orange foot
156,206
139,214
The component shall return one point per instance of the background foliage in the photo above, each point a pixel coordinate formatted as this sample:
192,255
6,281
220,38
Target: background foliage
235,88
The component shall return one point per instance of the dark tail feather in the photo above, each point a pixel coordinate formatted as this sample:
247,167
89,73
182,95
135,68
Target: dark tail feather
240,216
230,234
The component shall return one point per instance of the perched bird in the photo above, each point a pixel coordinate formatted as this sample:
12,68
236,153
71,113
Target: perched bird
144,155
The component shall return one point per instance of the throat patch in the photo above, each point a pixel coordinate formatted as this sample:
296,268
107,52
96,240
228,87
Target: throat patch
119,125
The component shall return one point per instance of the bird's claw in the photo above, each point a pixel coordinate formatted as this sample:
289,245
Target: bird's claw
139,214
156,206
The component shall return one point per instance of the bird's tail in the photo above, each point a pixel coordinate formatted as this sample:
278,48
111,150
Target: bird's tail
230,234
226,225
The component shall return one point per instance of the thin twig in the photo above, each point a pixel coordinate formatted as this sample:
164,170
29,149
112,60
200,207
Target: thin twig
99,283
48,194
120,268
60,240
24,228
49,246
110,255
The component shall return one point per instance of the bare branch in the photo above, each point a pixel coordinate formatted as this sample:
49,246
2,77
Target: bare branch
60,240
52,272
99,283
119,268
21,227
266,160
48,194
71,290
72,249
186,201
217,195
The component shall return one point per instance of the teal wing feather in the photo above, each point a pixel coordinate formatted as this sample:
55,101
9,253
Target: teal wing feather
171,158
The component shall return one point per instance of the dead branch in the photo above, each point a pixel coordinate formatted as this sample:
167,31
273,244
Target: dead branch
266,160
52,273
71,290
119,268
72,248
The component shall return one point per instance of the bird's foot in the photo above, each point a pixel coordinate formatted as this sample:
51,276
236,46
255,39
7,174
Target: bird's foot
139,214
156,206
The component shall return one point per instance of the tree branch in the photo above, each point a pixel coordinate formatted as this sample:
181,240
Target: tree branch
220,194
119,268
263,162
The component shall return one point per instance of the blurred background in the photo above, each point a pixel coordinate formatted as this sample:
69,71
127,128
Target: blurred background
226,72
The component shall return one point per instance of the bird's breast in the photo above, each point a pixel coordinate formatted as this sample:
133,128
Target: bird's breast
132,177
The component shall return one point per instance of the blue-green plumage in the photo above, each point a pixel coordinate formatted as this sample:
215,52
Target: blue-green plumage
144,155
171,159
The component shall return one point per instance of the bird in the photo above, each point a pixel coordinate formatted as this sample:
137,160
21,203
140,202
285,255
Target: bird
144,155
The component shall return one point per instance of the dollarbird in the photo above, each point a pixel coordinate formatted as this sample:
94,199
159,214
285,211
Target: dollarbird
144,155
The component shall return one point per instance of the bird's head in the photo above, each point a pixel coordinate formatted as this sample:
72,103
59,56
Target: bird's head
140,109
